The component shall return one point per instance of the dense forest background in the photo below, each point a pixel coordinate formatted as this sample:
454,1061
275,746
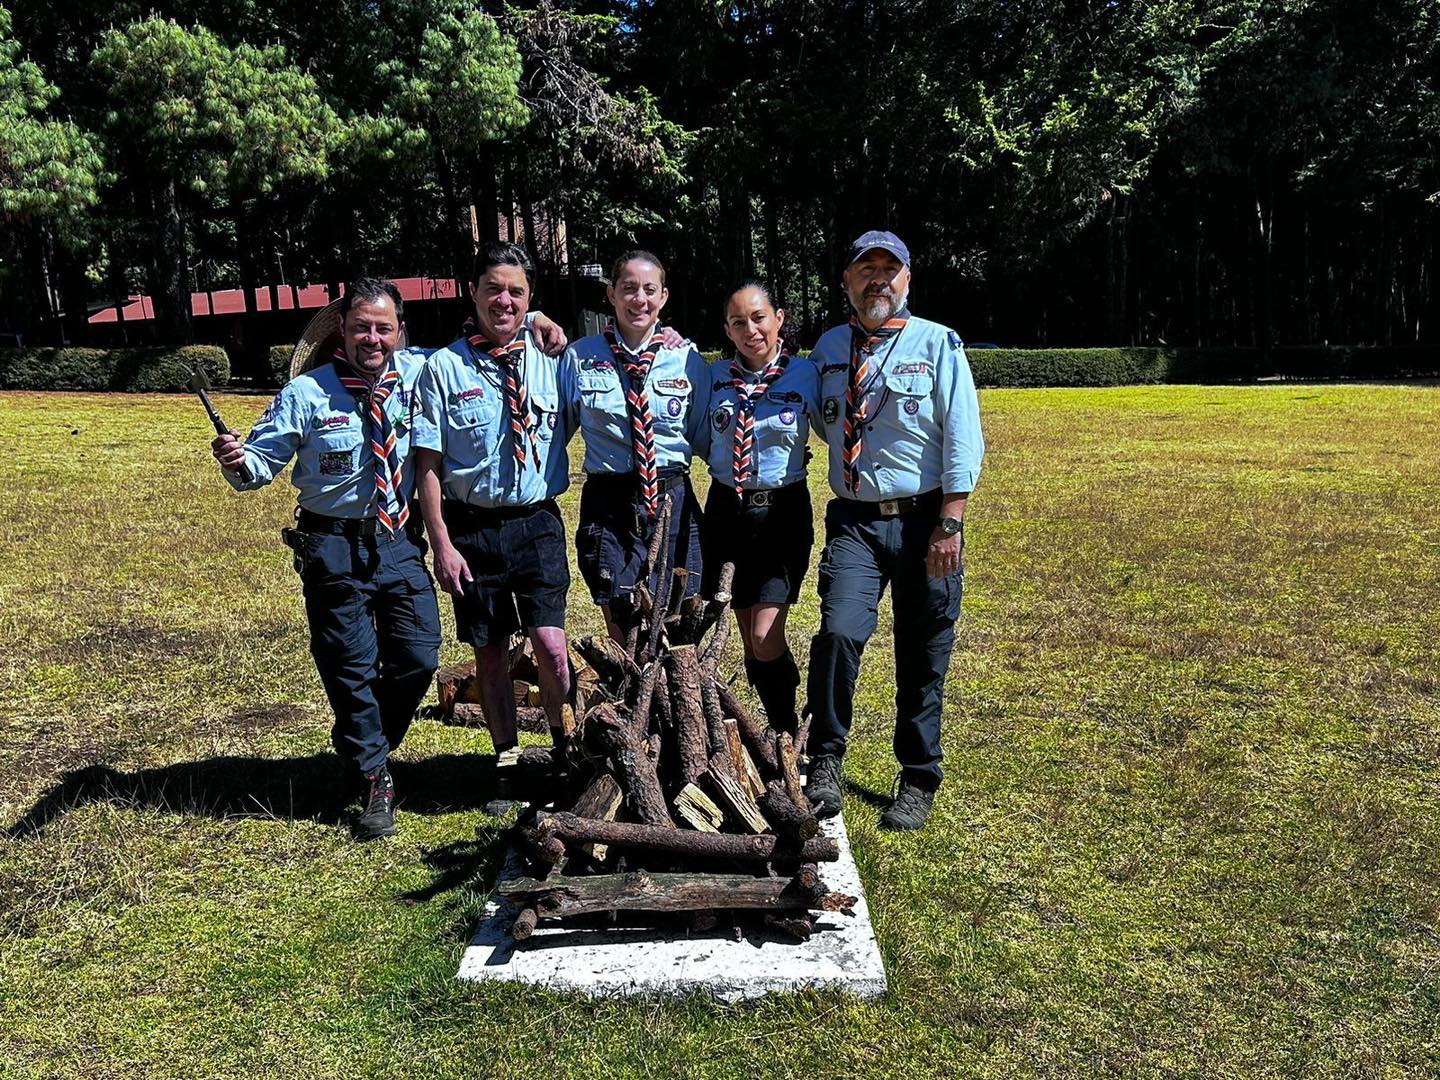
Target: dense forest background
1211,172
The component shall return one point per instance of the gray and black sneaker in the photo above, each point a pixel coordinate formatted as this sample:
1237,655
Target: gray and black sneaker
378,816
822,786
910,809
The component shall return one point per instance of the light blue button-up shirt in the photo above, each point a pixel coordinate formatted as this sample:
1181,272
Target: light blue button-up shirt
782,425
679,389
923,426
326,429
467,421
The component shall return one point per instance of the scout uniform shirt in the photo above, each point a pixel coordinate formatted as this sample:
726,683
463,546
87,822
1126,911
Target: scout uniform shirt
678,387
466,419
782,424
922,427
326,428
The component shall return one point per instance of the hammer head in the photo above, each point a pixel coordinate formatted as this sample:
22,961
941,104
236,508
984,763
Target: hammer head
199,381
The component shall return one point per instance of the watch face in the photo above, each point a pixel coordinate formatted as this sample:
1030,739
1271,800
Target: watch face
951,526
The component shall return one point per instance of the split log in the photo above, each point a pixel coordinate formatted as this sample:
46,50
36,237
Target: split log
683,842
785,818
745,770
790,771
735,800
600,800
522,660
636,770
561,897
690,734
759,739
697,810
526,693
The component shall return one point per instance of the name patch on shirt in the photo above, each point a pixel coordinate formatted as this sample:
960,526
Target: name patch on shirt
786,397
596,365
338,463
472,394
911,369
330,423
832,410
673,384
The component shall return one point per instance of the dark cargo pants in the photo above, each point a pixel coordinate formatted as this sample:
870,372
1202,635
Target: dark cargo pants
863,554
374,634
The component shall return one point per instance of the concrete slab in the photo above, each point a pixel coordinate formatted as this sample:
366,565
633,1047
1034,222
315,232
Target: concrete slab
623,961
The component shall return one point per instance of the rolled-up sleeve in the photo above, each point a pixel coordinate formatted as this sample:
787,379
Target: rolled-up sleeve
429,433
964,444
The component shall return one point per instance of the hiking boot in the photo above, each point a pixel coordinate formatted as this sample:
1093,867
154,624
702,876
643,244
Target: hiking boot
822,786
910,809
378,817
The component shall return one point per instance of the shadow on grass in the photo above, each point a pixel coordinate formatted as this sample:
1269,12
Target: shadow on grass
881,800
313,788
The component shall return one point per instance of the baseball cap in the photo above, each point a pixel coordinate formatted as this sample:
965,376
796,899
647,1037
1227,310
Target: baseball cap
876,238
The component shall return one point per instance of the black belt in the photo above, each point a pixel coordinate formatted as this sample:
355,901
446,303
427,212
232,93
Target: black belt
771,496
665,479
460,513
926,500
319,523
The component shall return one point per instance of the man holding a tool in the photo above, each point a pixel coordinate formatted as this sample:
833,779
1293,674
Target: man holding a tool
374,623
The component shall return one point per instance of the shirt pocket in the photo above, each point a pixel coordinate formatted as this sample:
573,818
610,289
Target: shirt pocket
669,406
475,423
337,453
913,394
778,424
602,403
546,405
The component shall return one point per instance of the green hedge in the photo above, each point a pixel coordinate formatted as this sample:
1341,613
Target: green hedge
152,370
280,363
1131,366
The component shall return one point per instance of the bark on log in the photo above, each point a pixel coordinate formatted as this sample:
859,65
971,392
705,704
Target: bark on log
807,875
735,800
790,771
465,714
524,924
691,622
635,769
690,734
759,739
455,683
798,926
671,841
607,657
558,898
712,653
785,818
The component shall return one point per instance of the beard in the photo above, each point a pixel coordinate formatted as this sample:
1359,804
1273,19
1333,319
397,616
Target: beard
878,306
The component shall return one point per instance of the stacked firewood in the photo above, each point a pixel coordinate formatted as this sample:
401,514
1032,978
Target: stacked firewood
668,795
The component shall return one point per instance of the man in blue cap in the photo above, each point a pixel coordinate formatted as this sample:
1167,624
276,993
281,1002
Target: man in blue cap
901,419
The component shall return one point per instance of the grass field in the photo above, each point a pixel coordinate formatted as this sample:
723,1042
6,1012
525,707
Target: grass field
1190,825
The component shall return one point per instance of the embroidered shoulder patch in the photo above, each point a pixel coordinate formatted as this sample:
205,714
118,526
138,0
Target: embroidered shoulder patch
955,342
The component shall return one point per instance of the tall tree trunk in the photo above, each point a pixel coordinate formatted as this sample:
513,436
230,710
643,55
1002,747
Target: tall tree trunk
172,266
484,192
527,213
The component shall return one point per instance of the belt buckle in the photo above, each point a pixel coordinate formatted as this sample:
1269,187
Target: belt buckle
760,498
889,507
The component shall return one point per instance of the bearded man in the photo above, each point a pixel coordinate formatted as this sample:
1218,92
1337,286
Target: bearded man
901,420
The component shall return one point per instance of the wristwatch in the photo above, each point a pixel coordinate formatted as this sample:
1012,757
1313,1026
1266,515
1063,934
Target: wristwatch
950,526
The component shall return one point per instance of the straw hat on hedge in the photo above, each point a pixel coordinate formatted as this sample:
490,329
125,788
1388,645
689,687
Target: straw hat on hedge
320,339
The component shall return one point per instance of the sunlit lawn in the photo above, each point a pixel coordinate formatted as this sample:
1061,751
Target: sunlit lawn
1190,826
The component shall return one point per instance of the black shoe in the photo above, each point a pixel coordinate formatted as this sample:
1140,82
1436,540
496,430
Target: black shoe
910,809
378,817
822,786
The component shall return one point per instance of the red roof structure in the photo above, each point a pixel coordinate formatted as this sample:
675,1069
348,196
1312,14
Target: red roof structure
232,301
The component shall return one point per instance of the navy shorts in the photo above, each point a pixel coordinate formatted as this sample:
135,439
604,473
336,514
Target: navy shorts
769,545
614,535
517,562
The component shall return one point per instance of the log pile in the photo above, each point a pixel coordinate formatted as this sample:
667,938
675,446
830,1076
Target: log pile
670,797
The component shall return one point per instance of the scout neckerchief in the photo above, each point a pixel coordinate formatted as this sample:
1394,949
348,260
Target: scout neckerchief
389,473
637,404
862,349
746,395
517,398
